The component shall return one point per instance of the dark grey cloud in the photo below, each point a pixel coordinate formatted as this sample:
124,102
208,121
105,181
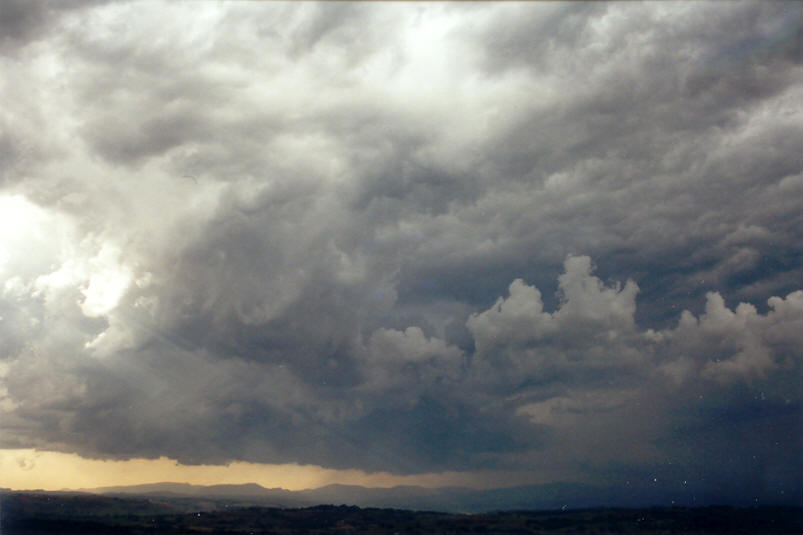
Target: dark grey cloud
635,156
22,23
409,238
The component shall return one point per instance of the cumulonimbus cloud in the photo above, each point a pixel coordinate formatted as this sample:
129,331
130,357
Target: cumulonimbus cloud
397,237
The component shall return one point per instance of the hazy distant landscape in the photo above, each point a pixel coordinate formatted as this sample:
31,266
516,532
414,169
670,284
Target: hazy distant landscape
34,513
444,499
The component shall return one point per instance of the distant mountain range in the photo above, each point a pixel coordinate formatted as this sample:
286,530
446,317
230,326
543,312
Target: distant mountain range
450,499
447,499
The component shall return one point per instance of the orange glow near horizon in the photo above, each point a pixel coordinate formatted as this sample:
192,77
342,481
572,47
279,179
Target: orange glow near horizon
29,469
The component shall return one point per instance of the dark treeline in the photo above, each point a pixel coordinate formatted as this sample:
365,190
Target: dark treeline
45,514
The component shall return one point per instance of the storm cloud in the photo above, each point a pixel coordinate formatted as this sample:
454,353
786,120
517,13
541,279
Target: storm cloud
407,237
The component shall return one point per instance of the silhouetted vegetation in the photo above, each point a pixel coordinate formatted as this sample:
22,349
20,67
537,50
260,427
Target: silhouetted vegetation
46,514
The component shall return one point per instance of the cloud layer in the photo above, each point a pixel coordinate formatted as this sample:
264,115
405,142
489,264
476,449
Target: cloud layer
415,238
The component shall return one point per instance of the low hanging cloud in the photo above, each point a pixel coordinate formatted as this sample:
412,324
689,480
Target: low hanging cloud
561,368
405,237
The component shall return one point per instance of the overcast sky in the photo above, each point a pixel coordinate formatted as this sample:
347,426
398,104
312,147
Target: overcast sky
560,240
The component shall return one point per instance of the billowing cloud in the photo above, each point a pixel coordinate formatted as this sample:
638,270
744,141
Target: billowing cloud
411,238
